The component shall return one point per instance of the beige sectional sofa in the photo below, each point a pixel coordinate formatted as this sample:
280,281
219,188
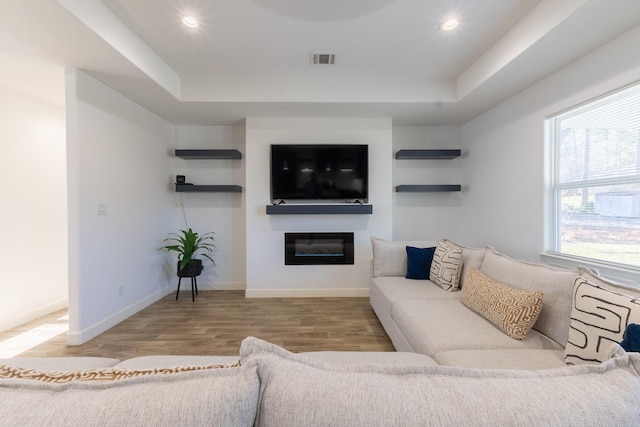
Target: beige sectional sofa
420,316
453,366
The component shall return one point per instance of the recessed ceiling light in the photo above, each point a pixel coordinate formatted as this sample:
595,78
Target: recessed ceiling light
190,21
449,24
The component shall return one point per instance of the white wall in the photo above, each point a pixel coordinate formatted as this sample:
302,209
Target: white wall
33,255
222,213
506,169
427,216
266,273
118,154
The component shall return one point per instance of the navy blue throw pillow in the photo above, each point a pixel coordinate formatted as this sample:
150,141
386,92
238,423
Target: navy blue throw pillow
419,262
631,340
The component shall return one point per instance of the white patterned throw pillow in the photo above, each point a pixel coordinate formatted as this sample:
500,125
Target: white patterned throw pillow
446,267
599,318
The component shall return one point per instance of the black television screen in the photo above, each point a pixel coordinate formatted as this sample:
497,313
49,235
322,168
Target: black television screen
319,172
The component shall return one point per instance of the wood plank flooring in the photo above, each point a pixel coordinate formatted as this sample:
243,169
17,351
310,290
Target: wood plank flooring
219,320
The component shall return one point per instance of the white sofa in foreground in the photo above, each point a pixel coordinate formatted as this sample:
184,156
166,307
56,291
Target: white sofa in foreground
273,387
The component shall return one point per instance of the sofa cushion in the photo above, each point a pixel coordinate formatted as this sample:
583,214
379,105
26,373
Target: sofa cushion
530,359
446,267
184,396
387,358
596,279
419,262
103,375
390,327
390,257
433,326
169,361
599,317
296,391
512,310
59,363
471,257
557,286
391,289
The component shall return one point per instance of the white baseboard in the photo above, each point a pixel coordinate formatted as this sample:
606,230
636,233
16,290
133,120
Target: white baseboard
33,314
221,286
80,337
307,293
75,338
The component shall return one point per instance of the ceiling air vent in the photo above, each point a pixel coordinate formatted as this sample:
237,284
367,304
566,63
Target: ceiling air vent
323,58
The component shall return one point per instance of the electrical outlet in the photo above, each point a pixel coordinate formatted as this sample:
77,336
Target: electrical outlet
120,291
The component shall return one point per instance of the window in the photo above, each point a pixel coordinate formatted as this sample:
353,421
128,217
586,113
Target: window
596,179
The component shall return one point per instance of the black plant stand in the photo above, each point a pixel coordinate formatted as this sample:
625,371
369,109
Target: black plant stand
191,270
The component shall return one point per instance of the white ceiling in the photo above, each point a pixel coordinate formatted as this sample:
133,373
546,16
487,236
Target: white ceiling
250,58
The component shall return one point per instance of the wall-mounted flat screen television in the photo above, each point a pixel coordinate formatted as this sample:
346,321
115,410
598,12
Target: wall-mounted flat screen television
319,172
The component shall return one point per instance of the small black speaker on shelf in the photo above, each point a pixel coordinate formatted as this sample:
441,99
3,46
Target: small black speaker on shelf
180,179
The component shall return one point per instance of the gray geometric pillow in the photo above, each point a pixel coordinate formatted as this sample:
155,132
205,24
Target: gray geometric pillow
446,267
599,318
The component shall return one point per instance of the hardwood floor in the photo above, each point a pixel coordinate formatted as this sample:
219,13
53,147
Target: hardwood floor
219,320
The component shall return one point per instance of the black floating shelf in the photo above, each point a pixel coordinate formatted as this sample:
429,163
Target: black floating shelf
319,209
208,154
427,188
427,154
187,188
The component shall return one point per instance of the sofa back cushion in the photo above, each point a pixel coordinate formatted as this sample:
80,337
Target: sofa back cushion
599,318
556,285
593,277
471,258
297,391
69,363
213,395
390,257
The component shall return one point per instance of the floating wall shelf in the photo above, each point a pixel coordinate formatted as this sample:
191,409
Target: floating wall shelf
204,154
188,188
427,154
194,154
427,188
319,209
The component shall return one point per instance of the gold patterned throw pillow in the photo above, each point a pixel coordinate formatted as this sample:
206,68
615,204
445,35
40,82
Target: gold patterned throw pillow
514,311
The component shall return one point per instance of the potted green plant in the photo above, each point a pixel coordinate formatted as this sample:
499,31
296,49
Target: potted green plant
189,244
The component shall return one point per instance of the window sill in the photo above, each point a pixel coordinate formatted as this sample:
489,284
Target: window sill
626,275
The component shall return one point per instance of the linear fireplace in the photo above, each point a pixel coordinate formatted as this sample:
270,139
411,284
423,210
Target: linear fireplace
318,248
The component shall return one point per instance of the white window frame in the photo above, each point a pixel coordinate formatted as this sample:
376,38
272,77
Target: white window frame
556,189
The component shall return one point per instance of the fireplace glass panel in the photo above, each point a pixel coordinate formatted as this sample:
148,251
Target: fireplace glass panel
318,248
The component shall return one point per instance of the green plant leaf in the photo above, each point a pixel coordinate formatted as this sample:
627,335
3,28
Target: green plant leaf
190,244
